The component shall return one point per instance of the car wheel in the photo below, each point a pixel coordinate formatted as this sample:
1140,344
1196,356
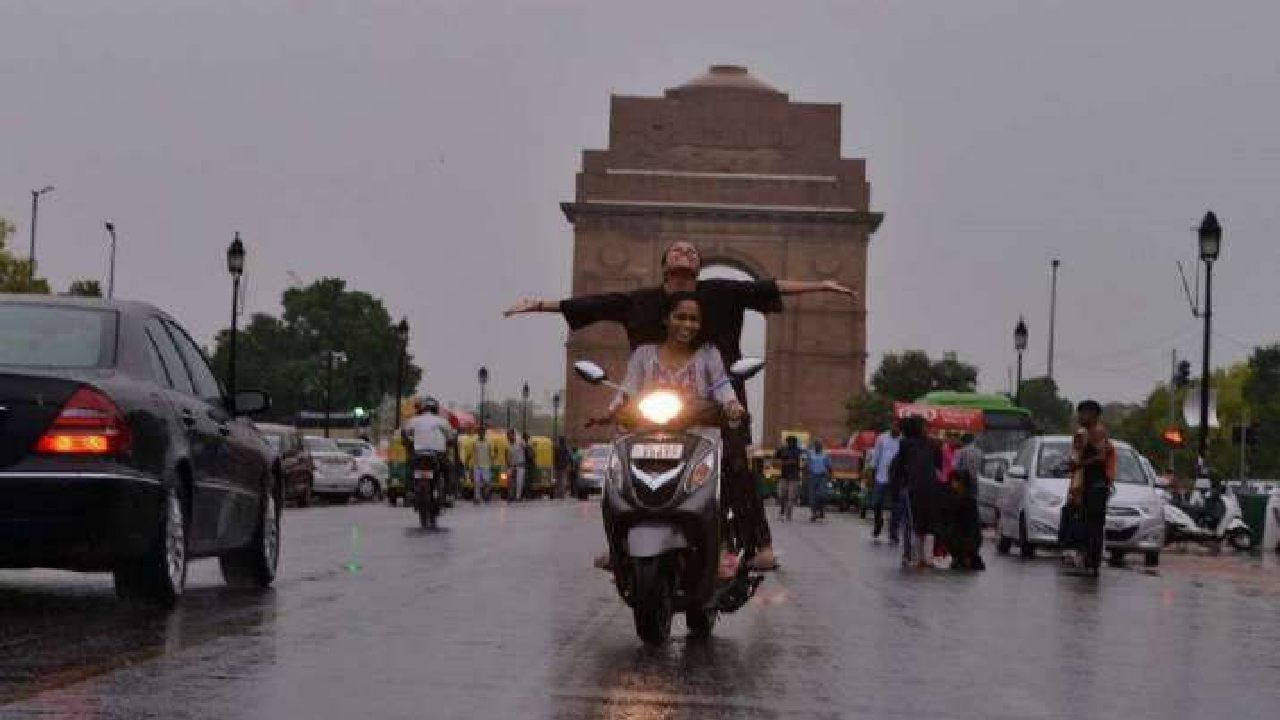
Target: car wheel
304,500
1025,548
254,566
160,575
1116,557
1151,559
367,488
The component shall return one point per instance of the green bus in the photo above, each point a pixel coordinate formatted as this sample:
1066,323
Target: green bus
1005,425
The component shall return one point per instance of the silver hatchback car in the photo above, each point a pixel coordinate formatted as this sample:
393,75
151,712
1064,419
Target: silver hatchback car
1036,488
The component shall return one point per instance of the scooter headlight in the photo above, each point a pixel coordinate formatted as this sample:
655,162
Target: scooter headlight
660,406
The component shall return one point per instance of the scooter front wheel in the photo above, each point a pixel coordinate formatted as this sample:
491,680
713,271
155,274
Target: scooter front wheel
701,623
1241,540
652,601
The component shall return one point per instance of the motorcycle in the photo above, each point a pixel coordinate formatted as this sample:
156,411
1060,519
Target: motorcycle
424,494
663,514
1218,519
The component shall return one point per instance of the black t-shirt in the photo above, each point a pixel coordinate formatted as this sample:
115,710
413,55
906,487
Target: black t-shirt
640,312
789,459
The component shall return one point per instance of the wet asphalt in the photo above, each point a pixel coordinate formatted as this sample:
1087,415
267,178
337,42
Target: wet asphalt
502,616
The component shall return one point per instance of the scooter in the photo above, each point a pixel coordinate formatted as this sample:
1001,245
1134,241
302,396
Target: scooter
1217,520
663,511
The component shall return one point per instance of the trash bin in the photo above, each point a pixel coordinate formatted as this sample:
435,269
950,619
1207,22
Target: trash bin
1253,508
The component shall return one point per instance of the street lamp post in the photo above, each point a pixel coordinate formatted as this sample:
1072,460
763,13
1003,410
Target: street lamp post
35,213
524,409
555,416
331,356
1019,344
111,274
1210,237
1053,313
235,266
402,337
482,377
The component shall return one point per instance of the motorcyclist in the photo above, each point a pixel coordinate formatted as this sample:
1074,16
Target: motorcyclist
429,435
724,304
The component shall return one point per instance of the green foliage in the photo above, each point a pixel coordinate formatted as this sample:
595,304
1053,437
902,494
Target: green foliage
14,273
287,356
1262,392
868,411
1051,412
85,288
908,375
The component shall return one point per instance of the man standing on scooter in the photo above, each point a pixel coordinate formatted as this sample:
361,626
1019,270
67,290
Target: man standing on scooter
724,303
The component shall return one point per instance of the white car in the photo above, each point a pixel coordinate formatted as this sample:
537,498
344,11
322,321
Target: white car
991,485
1035,488
374,472
337,473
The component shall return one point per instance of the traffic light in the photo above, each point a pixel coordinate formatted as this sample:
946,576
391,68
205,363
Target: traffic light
1182,377
1172,437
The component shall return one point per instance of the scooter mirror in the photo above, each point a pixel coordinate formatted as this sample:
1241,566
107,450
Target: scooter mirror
590,372
746,368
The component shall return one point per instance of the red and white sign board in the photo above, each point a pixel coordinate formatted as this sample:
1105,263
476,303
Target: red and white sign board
941,417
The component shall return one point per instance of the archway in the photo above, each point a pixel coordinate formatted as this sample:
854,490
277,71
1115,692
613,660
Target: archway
757,182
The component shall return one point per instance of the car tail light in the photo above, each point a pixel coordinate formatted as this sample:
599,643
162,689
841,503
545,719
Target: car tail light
88,424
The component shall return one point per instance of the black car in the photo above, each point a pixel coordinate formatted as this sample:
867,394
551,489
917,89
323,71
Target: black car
120,452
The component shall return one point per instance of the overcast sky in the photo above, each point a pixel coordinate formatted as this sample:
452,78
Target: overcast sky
420,150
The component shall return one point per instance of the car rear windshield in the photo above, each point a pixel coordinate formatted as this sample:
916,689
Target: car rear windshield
52,336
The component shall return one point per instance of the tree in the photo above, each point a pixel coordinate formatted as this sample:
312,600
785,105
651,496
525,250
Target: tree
286,356
910,374
868,411
85,288
903,376
15,273
1262,393
951,374
1051,412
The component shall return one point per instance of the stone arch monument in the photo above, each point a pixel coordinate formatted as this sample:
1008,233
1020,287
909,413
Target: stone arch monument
757,182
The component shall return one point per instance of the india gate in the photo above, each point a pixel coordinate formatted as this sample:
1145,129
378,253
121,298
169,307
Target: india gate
756,181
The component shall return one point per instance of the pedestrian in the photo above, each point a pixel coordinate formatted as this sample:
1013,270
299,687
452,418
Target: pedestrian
560,465
882,455
915,472
818,474
481,462
515,466
1095,456
530,465
966,536
789,457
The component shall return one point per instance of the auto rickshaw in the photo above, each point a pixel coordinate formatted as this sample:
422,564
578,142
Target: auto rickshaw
846,479
765,469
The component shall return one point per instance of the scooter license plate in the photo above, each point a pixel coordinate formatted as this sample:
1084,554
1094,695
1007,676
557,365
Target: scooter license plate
657,451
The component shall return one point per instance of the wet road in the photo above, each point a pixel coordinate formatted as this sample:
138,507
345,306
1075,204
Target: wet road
503,617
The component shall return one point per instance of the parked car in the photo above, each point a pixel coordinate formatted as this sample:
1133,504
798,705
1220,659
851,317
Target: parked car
336,472
122,453
297,469
991,484
1035,488
374,473
591,470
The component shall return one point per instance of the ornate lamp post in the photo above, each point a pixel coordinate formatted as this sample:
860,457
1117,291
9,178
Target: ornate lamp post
555,416
1210,237
402,337
482,377
235,266
1019,344
111,274
524,409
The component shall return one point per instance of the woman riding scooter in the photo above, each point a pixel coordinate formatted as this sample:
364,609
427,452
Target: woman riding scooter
682,362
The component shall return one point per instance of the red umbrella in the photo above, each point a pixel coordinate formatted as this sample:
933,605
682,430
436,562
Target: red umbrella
462,420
